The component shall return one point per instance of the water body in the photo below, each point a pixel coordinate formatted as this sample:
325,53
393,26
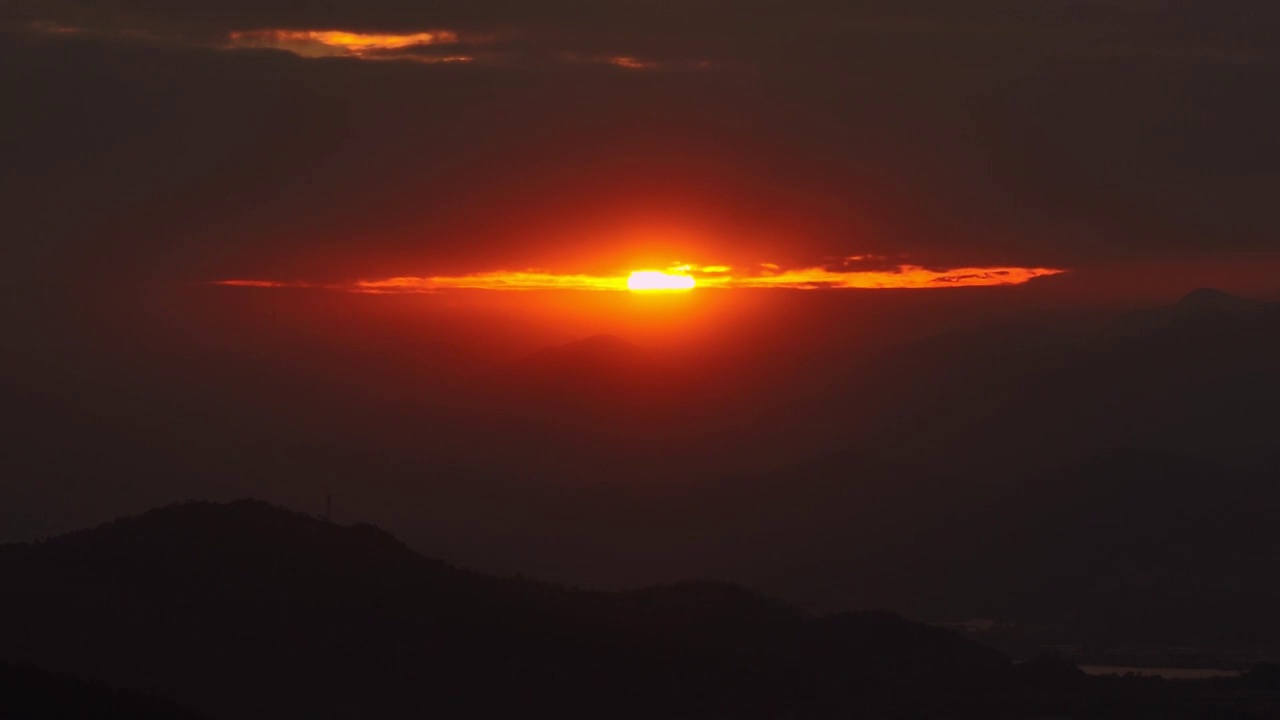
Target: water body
1167,673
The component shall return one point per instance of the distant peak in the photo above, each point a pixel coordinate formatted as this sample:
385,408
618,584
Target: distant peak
239,521
1216,299
1207,294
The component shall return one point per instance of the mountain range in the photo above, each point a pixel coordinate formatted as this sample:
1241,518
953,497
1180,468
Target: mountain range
246,610
1109,482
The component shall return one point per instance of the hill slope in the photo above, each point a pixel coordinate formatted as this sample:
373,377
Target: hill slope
247,610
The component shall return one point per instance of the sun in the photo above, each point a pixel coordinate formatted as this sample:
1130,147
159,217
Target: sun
658,281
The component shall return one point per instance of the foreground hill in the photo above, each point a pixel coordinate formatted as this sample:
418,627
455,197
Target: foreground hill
28,693
247,610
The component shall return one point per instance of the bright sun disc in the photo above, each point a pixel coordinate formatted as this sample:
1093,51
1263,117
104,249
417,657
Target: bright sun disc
655,281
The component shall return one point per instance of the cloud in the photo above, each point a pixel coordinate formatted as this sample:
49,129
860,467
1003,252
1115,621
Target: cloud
903,277
521,280
431,46
809,35
261,284
340,43
717,276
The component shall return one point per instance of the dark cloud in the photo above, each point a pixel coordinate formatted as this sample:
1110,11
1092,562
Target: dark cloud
755,28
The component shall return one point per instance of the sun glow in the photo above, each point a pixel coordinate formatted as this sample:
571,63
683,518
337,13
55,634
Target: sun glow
658,281
683,277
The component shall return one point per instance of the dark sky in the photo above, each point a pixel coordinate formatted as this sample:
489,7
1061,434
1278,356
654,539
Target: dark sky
1037,133
151,147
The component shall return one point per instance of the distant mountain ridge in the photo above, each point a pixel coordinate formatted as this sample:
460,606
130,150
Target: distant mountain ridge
992,441
247,610
1198,308
1209,298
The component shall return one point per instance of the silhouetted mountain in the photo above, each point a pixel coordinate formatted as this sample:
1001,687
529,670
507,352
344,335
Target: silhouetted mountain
958,453
1208,299
27,693
983,460
245,610
1138,548
976,459
1200,310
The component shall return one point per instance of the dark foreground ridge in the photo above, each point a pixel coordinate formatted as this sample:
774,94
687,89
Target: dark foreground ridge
245,610
28,692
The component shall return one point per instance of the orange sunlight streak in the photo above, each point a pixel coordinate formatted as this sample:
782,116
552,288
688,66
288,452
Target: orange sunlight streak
903,277
500,280
687,277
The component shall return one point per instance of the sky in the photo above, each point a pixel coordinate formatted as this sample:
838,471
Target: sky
365,141
271,249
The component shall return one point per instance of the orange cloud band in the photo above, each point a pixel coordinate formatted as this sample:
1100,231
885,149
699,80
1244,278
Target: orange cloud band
903,277
341,43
